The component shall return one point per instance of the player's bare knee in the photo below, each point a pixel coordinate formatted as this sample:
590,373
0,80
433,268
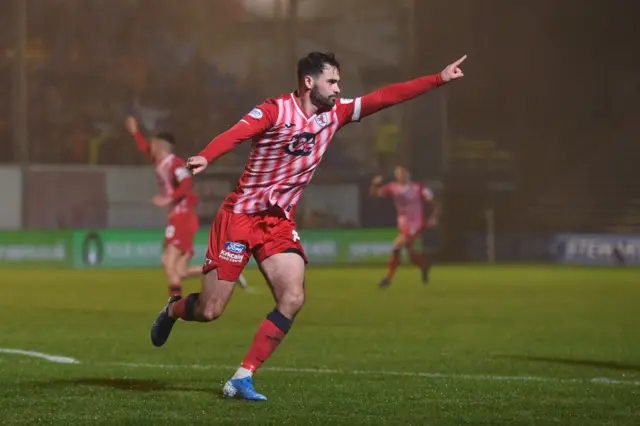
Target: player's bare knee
181,271
211,310
211,314
292,301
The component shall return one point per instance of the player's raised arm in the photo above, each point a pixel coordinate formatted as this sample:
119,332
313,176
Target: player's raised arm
259,120
400,92
143,144
377,189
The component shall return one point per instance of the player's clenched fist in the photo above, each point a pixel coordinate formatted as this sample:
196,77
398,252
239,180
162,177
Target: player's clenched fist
197,164
132,125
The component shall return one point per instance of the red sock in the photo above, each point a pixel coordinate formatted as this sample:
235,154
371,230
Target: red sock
266,340
394,261
179,309
185,308
175,289
418,260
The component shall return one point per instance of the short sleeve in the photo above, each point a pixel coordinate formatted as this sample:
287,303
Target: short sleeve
387,189
348,110
263,116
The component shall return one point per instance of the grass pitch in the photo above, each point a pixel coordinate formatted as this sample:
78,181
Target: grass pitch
479,345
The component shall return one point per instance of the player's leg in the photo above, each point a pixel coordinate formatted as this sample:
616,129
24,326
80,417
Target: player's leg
285,274
170,261
191,271
243,282
186,227
281,259
416,255
207,305
394,259
430,247
224,263
196,271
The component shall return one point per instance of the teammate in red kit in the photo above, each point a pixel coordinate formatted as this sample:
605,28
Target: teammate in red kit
409,198
176,195
289,136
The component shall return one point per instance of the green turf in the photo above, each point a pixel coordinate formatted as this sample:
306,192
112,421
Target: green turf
513,345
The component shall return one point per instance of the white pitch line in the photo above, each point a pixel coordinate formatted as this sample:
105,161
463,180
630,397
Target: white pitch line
51,358
480,377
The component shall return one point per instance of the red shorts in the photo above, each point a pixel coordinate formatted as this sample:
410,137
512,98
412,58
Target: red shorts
234,237
410,229
410,233
180,231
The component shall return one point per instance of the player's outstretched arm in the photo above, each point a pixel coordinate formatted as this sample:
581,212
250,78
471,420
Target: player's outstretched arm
143,144
259,120
400,92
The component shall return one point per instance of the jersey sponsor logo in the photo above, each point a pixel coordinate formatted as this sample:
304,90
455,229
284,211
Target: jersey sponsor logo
346,100
256,113
235,247
322,119
301,145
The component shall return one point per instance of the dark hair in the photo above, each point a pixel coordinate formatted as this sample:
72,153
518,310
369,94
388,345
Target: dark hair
167,137
314,64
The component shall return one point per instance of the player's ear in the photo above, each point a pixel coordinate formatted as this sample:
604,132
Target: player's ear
309,82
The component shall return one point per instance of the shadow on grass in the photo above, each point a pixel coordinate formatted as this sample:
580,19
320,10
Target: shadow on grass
611,365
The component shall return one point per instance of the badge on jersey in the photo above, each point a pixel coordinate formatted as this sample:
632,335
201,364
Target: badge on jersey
256,113
322,119
234,247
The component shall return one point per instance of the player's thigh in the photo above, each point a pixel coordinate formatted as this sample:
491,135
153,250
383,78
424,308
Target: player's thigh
282,262
182,263
170,257
285,273
412,240
400,241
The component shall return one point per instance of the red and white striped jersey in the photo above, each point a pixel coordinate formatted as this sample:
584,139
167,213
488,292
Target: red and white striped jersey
286,151
409,200
170,172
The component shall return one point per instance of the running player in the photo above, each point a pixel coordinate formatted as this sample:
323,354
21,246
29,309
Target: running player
409,198
290,134
176,195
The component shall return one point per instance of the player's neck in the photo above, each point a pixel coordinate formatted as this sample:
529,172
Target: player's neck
304,101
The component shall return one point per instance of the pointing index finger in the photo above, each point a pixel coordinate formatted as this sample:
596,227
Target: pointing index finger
459,61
